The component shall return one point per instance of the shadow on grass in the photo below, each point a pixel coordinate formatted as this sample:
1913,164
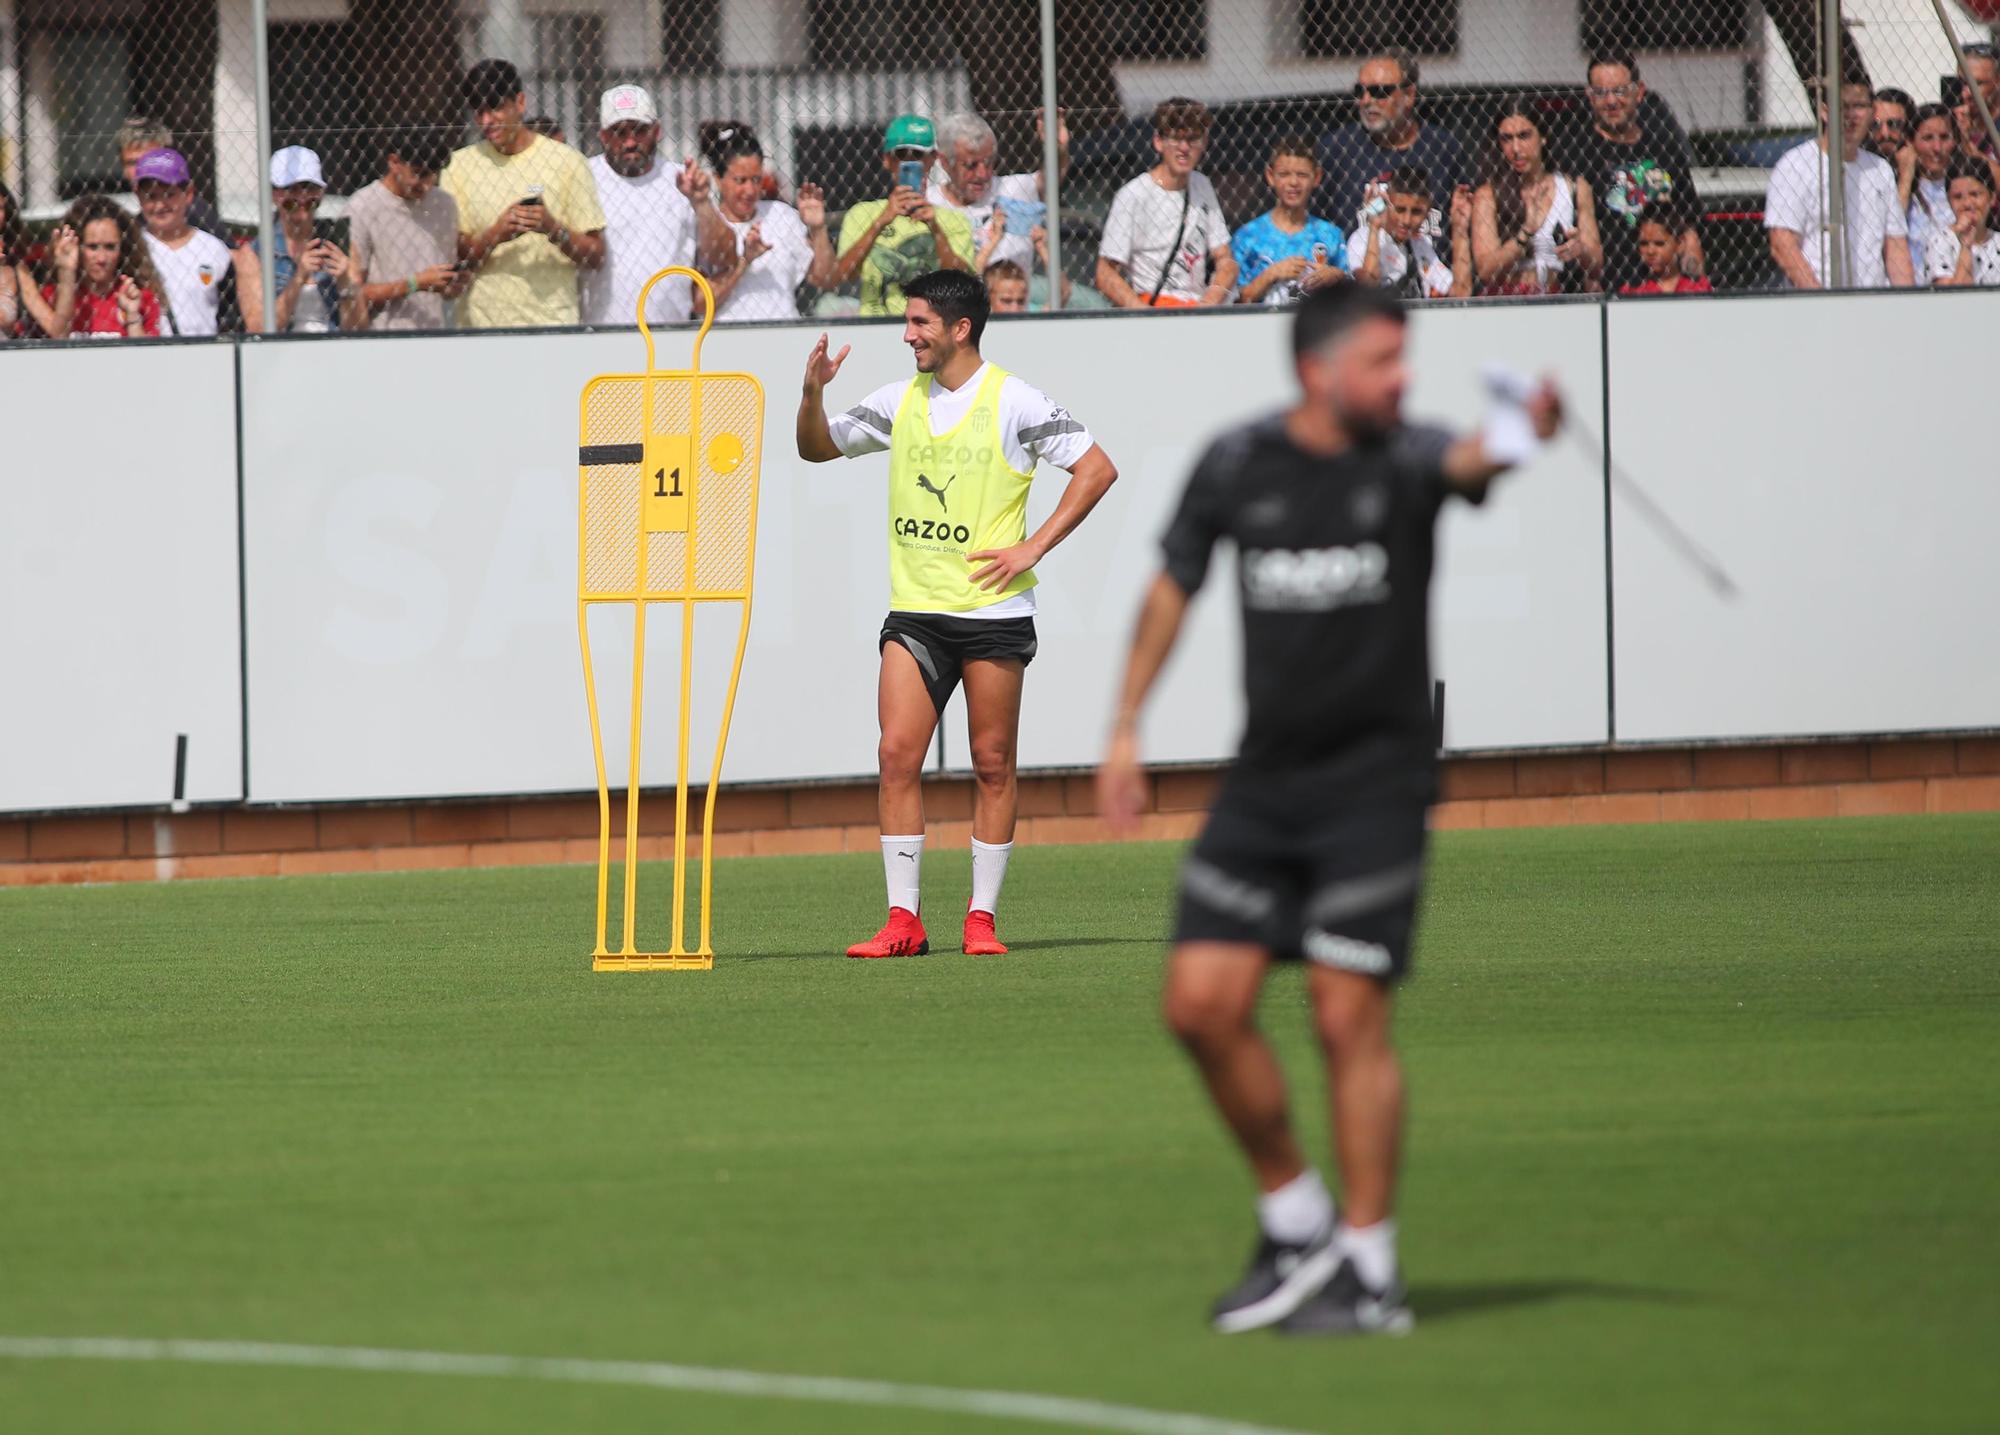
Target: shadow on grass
1448,1302
945,950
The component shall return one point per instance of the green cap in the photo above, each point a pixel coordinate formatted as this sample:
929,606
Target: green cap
909,132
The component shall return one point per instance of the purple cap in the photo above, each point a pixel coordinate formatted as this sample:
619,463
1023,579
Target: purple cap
168,166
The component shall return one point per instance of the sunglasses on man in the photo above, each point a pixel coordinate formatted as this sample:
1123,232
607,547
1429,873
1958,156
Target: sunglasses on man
1376,92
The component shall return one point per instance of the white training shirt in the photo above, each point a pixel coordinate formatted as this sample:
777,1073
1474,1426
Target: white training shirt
1140,229
770,289
1393,258
1796,200
648,226
1015,243
1033,427
191,277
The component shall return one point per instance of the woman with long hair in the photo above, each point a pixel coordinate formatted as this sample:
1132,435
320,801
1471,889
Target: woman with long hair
102,284
1920,175
1533,231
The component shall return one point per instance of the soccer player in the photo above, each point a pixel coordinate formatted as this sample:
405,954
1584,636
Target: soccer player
963,437
1314,850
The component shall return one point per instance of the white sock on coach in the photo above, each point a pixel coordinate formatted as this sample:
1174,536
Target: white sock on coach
1372,1249
1297,1211
989,870
902,866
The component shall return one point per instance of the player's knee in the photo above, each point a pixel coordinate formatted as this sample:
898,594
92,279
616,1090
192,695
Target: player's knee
1354,1022
993,763
900,757
1200,1016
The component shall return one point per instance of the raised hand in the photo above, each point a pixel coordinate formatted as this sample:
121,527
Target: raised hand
1062,125
68,250
822,370
692,181
812,205
130,299
754,245
1461,208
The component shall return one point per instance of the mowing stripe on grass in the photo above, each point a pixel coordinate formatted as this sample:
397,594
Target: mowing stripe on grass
753,1384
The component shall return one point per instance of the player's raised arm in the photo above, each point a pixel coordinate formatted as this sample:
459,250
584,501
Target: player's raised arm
1121,785
815,438
1521,417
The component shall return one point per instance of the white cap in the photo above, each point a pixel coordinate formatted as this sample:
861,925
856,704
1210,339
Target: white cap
626,103
295,164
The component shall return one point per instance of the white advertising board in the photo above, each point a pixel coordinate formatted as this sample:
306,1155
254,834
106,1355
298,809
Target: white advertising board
1857,522
411,566
118,575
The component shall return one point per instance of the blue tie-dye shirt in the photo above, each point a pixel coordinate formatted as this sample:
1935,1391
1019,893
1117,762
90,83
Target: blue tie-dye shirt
1260,244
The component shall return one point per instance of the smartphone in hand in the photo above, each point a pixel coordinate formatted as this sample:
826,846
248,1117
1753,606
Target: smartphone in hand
910,174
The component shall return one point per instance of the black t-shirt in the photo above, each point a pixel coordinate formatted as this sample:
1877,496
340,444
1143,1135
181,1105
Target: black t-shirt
1353,161
1625,179
1334,569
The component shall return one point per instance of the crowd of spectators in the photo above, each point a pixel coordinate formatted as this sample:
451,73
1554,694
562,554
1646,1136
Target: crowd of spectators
519,229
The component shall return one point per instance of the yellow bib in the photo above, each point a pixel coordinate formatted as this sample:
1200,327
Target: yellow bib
949,495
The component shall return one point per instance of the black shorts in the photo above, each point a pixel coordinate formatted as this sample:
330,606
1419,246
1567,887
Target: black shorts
1312,868
942,644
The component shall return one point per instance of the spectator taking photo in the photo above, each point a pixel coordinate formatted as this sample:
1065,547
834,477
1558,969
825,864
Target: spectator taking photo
318,287
528,213
1166,243
889,242
403,230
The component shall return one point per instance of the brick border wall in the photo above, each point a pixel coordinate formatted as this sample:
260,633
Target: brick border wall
1835,779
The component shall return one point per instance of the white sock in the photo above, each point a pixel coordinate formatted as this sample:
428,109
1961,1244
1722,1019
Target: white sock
989,870
1297,1211
1373,1251
902,865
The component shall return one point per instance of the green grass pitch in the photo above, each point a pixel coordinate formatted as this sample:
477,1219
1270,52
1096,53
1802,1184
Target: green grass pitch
1706,1136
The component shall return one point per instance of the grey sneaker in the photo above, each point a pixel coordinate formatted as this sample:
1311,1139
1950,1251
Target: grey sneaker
1279,1278
1344,1306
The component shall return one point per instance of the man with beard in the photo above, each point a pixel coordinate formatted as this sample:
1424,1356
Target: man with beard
657,213
1360,158
1632,166
1314,850
528,216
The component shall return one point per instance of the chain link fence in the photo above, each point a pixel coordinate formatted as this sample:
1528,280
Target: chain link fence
809,155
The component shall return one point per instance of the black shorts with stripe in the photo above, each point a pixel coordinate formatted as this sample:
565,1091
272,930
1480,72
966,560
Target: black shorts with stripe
1319,865
942,644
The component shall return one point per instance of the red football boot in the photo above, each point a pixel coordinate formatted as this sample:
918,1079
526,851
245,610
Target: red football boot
980,940
901,936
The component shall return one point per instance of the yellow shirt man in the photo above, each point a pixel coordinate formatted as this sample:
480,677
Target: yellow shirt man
526,280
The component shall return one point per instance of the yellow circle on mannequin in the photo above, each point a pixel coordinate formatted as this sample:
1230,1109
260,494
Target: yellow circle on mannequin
725,452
